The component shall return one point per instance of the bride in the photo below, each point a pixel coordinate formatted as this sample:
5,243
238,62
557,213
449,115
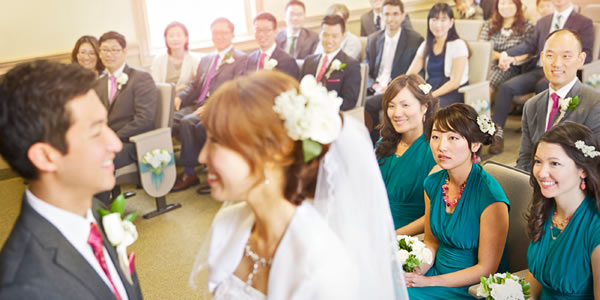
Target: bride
305,213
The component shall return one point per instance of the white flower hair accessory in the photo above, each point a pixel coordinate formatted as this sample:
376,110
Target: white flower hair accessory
588,151
122,80
425,88
311,116
486,125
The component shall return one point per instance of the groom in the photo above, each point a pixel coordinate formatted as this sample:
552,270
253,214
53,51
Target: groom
54,133
561,58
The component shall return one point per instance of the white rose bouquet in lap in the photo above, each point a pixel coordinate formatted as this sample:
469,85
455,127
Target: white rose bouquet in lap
503,286
413,253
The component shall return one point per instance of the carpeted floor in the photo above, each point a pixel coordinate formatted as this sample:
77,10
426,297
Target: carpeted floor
168,244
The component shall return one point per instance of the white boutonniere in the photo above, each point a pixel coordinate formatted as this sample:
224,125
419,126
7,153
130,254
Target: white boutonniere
425,88
470,12
121,233
336,65
566,105
228,59
122,80
270,64
503,286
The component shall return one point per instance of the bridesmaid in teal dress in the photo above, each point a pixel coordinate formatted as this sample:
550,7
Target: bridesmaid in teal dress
404,155
564,218
466,215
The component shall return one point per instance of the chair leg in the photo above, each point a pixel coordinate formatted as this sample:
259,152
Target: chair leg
161,207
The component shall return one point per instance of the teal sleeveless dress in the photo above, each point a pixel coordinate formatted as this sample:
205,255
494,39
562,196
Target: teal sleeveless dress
403,177
563,266
458,233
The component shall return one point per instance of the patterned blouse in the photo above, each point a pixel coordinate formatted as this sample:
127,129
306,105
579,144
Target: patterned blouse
502,41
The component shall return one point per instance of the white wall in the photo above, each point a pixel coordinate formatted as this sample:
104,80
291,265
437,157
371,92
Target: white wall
313,7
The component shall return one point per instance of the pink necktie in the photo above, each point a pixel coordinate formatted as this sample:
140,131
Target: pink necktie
323,68
554,110
113,88
261,62
207,80
95,240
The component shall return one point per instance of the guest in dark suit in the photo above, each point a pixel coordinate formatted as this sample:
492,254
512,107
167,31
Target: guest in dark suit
296,40
214,70
334,69
389,53
373,20
130,95
561,58
54,133
269,56
533,80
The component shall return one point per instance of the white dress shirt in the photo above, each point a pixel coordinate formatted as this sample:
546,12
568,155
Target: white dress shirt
564,15
76,230
330,58
387,60
269,53
562,93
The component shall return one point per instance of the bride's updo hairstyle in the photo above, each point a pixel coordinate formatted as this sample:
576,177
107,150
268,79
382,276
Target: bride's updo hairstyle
240,116
462,119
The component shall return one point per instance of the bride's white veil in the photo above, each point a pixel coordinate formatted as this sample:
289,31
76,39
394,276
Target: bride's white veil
352,197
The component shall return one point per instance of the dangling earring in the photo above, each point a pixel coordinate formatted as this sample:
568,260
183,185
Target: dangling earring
582,185
266,178
474,158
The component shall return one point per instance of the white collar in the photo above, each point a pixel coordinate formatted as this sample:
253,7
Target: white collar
222,54
331,55
565,13
563,91
269,51
289,32
117,73
75,228
393,39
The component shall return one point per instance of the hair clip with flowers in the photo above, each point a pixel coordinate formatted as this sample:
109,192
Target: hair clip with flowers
587,150
425,88
486,125
311,115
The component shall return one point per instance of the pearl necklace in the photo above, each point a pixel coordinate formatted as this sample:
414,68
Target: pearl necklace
445,194
257,261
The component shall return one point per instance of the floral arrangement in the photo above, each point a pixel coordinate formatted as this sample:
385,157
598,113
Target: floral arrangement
270,64
122,80
481,106
469,12
588,151
412,253
311,116
593,80
336,65
503,286
121,233
425,88
155,161
486,125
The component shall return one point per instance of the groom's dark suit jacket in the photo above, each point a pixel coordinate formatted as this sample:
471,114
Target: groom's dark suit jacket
285,63
346,83
37,262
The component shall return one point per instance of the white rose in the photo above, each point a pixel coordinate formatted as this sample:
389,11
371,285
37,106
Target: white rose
122,80
510,290
130,233
230,60
336,64
481,292
270,64
164,156
113,227
403,256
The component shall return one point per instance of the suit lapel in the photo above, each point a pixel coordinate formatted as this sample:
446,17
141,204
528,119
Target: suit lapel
103,90
379,47
253,60
399,53
570,20
542,111
575,91
127,70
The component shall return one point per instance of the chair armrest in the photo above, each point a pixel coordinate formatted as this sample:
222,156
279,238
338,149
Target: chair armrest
150,135
473,289
480,86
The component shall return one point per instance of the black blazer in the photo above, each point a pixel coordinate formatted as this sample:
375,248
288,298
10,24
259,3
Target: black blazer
346,83
535,44
285,63
37,262
306,44
134,109
408,43
367,24
224,73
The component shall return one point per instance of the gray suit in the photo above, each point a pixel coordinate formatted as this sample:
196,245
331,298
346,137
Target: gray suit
133,110
345,83
534,118
306,43
367,23
37,262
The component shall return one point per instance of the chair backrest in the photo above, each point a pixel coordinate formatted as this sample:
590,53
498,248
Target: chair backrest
164,115
515,184
363,47
592,11
420,26
469,30
362,92
479,62
596,47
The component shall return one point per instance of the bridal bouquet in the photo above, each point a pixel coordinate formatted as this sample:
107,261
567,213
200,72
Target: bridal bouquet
503,286
412,253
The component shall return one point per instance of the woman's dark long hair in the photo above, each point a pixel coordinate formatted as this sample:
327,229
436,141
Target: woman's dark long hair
564,134
436,10
93,41
389,137
519,23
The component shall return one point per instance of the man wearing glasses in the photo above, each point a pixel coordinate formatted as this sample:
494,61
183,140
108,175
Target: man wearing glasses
130,96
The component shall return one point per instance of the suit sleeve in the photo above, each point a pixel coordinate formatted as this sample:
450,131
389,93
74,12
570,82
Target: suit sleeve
192,90
27,291
528,45
524,159
370,60
592,121
351,86
145,98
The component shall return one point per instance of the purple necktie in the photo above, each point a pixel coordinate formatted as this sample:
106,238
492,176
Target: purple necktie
554,110
207,80
113,88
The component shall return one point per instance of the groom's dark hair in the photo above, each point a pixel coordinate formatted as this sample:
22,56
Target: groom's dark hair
33,108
